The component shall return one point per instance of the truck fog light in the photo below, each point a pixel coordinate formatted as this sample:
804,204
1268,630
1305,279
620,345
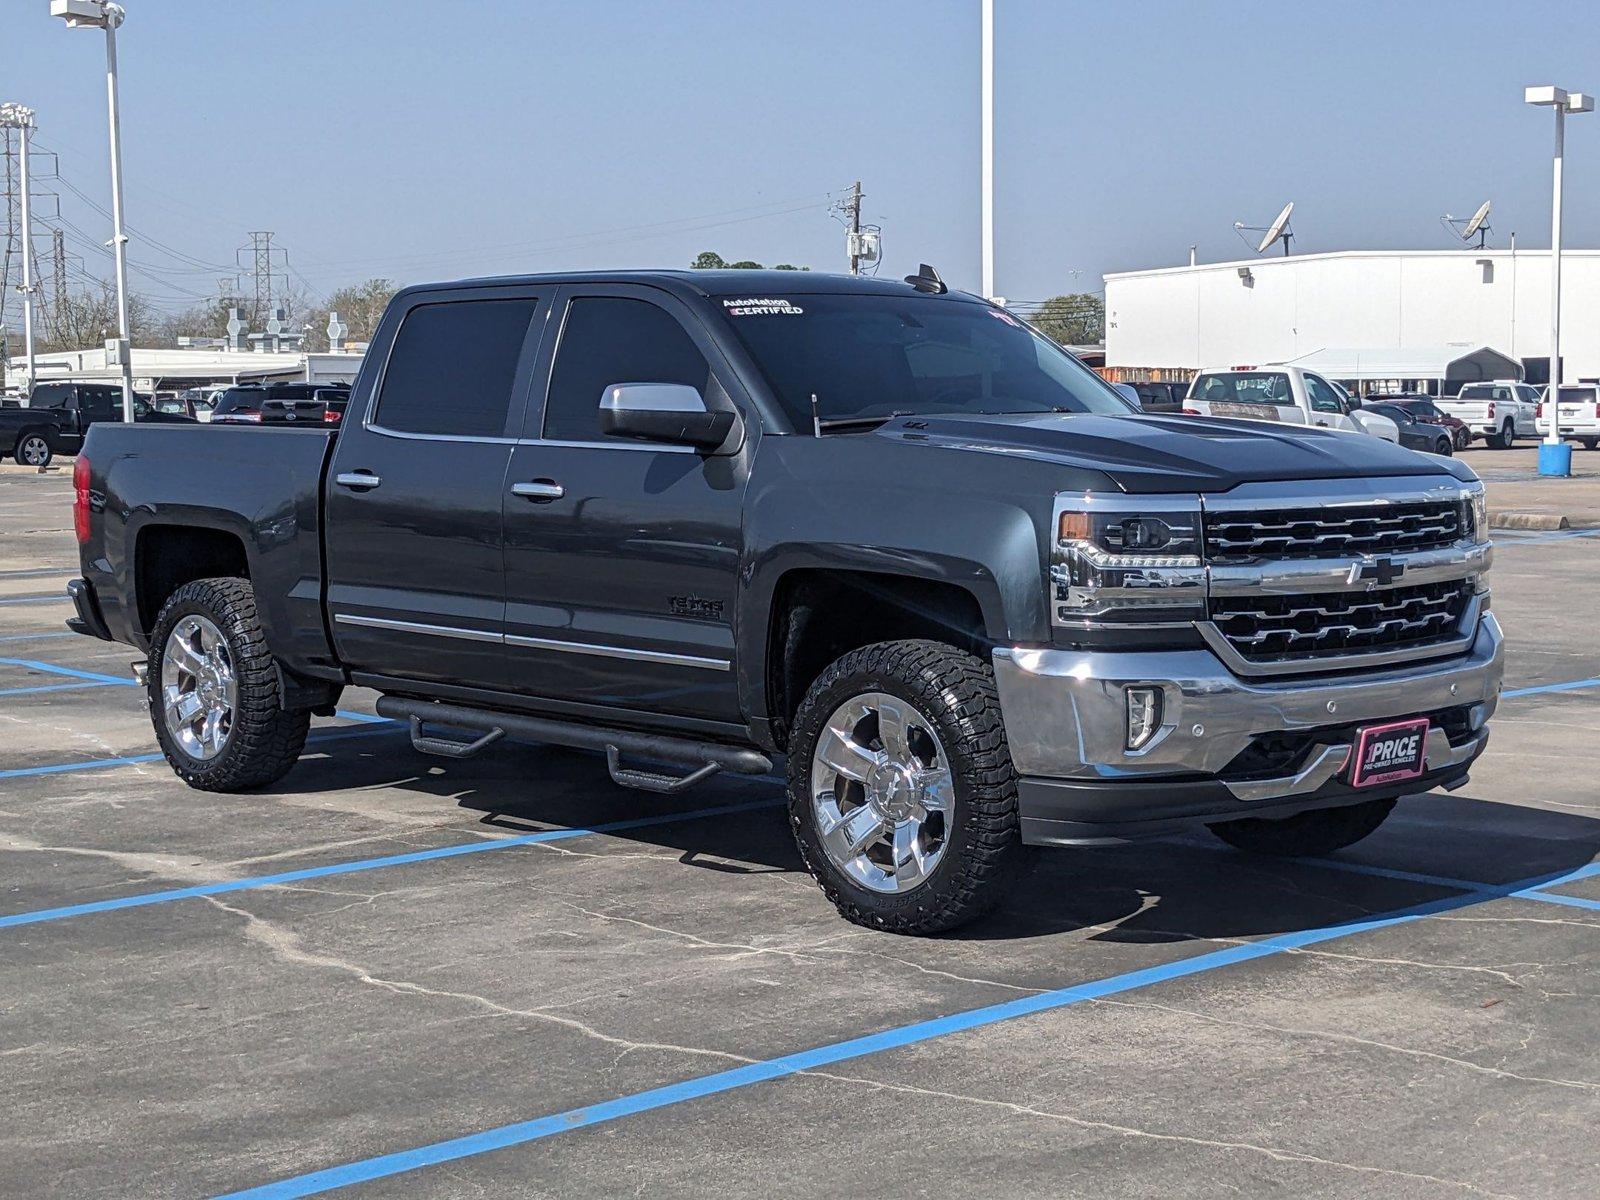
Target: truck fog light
1144,716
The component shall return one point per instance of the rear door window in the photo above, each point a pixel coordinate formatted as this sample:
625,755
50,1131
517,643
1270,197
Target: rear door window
1244,387
608,340
51,395
453,367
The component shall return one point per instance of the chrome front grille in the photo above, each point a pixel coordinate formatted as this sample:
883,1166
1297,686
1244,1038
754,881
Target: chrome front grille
1338,531
1286,628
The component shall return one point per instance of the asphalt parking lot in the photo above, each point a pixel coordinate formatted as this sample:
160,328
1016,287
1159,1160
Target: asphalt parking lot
509,978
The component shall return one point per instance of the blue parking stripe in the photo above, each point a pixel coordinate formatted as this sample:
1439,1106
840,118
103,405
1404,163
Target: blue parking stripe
1576,685
369,864
1558,898
52,687
52,669
521,1133
99,764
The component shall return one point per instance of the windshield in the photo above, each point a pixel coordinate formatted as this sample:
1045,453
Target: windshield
1243,387
866,356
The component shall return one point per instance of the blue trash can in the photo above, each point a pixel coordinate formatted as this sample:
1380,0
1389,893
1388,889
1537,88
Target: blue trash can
1555,460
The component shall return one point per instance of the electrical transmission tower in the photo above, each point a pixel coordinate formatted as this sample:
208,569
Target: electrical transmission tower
264,261
19,262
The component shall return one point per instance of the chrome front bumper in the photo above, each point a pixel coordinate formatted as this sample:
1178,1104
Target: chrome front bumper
1065,712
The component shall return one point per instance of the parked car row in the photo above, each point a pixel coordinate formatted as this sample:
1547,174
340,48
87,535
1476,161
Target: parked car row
58,415
1499,411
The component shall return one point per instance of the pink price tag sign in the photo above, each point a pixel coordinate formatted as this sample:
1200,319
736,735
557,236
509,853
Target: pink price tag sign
1390,753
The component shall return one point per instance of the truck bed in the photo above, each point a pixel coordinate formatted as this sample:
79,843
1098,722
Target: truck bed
262,486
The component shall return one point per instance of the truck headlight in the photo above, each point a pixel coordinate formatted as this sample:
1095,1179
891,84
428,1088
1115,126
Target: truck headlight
1126,559
1478,514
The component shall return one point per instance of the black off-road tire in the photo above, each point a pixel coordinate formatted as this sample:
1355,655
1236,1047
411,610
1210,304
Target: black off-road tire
984,854
1590,443
1308,834
265,740
1445,448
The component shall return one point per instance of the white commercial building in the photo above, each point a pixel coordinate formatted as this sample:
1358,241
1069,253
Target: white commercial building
175,369
1278,309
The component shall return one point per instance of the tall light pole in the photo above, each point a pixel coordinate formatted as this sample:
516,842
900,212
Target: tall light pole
15,116
1555,456
101,14
988,148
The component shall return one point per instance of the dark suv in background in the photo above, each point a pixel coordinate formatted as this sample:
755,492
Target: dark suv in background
282,404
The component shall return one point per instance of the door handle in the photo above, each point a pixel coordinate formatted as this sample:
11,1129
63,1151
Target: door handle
361,481
539,490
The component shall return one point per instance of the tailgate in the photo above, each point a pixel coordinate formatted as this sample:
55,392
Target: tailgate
1241,410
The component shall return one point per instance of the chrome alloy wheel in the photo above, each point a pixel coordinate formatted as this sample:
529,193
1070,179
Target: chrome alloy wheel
199,694
34,451
882,793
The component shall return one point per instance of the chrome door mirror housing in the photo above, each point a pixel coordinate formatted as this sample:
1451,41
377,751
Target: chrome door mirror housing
663,412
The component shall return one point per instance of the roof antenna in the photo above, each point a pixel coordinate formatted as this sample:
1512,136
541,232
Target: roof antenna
927,280
816,418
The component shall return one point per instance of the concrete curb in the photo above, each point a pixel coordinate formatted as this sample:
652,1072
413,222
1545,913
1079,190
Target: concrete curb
1524,520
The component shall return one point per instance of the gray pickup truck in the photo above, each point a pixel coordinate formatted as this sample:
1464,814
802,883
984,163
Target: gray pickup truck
706,521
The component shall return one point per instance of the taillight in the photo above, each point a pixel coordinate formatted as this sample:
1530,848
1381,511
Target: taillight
80,499
330,417
1491,410
1538,412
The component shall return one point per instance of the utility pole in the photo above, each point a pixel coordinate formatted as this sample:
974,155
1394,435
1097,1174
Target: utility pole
988,149
58,309
15,116
854,204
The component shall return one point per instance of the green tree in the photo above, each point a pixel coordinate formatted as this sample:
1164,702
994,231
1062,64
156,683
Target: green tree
745,264
359,306
1073,320
708,260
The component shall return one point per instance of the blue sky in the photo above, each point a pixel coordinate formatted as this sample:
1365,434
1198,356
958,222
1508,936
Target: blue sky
430,139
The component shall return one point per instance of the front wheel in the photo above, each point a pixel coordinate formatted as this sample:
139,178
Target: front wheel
215,693
1444,447
902,795
33,450
1308,834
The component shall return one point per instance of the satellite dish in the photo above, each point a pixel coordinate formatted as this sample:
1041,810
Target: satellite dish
1478,224
1278,231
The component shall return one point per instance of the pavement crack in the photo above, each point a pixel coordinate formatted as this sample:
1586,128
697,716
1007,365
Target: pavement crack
286,946
1352,1039
1276,1153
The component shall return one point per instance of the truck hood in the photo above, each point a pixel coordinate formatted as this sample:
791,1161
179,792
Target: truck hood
1152,453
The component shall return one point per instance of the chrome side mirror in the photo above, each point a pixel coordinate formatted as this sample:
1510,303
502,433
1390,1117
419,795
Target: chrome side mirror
663,412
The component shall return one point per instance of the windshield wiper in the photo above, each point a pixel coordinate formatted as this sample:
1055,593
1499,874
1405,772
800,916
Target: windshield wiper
823,425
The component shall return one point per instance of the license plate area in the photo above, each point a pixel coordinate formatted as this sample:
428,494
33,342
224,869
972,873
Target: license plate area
1389,753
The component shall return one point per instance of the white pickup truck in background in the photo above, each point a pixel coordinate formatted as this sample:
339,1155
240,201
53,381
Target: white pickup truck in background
1499,412
1291,395
1579,405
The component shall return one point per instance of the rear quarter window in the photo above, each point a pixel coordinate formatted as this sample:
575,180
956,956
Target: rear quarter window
452,368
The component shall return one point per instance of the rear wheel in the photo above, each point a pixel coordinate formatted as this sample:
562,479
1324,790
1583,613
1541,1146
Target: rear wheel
902,795
215,693
33,450
1307,834
1590,443
1505,438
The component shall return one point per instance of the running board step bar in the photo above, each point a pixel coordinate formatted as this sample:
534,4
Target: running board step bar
700,760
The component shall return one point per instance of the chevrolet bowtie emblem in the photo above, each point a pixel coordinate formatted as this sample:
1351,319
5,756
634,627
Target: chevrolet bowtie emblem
1375,572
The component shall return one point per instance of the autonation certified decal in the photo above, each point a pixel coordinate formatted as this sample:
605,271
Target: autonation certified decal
758,306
